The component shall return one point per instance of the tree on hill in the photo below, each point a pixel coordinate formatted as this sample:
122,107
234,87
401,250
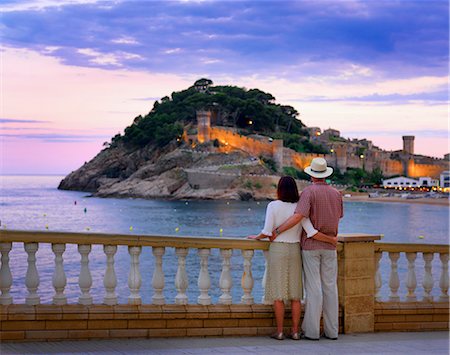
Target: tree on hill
252,110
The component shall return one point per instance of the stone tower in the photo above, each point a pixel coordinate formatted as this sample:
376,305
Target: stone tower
408,144
340,153
203,126
277,153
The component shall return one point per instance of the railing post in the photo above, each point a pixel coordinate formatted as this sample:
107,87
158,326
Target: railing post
204,281
32,277
356,282
110,279
134,277
411,282
59,277
181,278
158,276
247,277
225,281
85,278
5,274
443,281
428,277
394,282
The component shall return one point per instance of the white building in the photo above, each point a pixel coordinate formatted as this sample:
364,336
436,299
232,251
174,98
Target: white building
406,182
400,181
445,179
428,182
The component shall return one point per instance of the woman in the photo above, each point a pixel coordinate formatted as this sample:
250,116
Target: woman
284,273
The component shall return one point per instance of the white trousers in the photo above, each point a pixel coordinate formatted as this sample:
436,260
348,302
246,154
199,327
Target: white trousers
320,268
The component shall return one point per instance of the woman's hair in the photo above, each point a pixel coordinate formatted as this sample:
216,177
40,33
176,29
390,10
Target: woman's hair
287,189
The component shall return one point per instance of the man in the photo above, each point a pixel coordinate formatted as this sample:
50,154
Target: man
323,205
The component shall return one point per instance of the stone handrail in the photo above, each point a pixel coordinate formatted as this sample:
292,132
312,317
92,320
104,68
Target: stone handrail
394,250
359,278
411,248
58,241
130,240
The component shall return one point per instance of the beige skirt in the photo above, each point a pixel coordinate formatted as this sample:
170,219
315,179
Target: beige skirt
284,272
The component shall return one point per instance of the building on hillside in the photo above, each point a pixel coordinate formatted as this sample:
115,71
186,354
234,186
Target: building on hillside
314,132
408,183
330,134
400,181
428,182
445,180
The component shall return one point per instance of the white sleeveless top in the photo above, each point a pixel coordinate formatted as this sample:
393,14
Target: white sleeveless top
277,213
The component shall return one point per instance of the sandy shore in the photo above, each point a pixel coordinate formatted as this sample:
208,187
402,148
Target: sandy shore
428,201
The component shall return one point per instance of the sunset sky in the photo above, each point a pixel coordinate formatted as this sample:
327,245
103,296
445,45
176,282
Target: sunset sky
75,73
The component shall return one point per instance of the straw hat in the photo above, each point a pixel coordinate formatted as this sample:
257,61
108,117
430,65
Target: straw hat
319,168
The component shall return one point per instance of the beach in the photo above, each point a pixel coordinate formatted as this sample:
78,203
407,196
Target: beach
422,200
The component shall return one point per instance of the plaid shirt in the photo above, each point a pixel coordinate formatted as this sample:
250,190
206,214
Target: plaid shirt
323,205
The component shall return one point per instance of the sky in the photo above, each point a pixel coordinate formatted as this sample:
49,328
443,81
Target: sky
75,73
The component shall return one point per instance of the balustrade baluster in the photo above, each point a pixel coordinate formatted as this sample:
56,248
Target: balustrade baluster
394,282
110,280
59,277
247,278
5,274
428,277
181,278
134,277
158,276
32,276
204,281
378,283
85,278
443,282
411,282
225,281
264,279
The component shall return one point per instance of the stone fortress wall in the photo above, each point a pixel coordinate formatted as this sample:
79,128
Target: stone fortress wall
343,154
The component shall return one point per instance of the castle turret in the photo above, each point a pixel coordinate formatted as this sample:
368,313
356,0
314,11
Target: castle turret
277,149
203,126
408,144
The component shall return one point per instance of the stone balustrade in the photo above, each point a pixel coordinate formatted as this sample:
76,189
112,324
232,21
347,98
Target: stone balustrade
411,252
360,278
182,245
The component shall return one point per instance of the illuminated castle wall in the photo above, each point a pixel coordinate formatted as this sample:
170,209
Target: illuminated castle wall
343,155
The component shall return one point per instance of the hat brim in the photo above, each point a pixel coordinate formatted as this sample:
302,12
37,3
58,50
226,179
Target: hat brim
320,175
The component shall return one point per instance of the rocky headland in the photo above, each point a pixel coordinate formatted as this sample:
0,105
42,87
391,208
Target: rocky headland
173,173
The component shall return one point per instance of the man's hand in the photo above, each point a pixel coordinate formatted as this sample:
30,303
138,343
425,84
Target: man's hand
326,238
334,240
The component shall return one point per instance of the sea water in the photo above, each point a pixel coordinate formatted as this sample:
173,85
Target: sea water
35,203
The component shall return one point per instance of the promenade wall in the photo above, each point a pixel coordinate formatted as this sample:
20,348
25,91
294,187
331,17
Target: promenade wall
359,282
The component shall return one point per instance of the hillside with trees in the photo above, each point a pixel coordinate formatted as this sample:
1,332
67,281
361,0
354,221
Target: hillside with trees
150,160
250,111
